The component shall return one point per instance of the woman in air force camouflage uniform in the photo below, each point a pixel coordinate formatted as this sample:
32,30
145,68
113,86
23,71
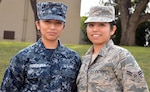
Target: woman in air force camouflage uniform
107,67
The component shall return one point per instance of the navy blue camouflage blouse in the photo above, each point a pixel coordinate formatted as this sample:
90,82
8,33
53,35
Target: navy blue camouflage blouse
37,69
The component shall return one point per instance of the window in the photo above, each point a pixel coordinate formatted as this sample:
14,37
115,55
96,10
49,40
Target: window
9,34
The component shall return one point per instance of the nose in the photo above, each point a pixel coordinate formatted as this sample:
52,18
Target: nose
95,28
52,26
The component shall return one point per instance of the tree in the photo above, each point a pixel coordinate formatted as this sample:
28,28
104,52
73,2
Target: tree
33,5
132,13
143,38
131,20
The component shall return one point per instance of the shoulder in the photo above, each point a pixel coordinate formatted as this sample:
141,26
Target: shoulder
68,51
124,56
120,50
24,53
21,57
27,49
113,49
121,53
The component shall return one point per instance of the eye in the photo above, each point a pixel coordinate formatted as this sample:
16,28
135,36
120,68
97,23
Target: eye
102,24
47,21
90,25
59,22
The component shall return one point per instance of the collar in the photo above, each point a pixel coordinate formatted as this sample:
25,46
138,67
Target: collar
104,49
39,47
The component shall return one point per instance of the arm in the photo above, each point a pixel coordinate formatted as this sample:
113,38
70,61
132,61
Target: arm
131,75
13,78
78,65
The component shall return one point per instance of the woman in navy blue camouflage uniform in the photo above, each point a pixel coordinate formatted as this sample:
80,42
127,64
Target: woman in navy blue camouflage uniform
47,65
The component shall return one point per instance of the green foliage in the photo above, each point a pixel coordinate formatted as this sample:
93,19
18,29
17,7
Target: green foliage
83,30
81,49
140,33
9,49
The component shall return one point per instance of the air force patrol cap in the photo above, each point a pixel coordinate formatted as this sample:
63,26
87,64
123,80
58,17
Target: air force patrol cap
101,14
51,10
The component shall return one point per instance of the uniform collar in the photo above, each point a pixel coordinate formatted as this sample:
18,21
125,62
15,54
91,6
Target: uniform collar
41,49
104,49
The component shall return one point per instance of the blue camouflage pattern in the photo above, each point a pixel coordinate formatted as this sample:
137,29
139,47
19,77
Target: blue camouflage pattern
34,70
52,10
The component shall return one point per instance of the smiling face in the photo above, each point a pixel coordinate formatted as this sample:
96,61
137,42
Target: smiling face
99,33
50,29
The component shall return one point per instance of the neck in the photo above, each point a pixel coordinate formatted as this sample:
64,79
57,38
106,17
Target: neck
50,44
97,48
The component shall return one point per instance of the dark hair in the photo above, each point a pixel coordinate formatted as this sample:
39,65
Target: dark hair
112,24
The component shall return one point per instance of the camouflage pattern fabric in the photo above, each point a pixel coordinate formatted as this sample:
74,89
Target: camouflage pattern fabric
101,14
33,70
113,70
52,10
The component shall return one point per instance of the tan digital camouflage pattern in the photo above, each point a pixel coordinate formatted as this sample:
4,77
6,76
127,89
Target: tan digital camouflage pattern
113,70
101,14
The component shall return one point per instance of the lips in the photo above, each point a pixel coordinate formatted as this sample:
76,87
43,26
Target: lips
51,33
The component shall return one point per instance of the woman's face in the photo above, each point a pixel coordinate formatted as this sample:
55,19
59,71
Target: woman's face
99,33
50,29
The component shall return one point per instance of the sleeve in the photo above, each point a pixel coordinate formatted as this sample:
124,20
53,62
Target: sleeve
78,65
130,75
13,78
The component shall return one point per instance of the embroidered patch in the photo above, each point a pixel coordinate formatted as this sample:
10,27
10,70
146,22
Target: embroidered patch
135,76
129,73
38,65
140,74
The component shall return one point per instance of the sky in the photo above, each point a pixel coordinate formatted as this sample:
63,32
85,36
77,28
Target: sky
86,4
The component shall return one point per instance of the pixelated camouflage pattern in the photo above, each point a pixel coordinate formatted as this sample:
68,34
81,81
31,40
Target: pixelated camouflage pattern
32,70
52,10
113,70
101,14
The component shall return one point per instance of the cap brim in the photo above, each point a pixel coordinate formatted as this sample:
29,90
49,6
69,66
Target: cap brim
99,19
53,17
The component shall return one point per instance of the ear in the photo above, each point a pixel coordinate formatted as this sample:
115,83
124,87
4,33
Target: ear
37,25
113,29
64,25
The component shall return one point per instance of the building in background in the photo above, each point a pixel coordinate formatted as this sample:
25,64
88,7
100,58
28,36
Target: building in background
17,21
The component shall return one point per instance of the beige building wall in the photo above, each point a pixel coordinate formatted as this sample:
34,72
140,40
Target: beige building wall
17,16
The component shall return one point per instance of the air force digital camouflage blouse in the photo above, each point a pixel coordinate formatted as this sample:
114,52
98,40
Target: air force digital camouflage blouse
113,70
33,69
